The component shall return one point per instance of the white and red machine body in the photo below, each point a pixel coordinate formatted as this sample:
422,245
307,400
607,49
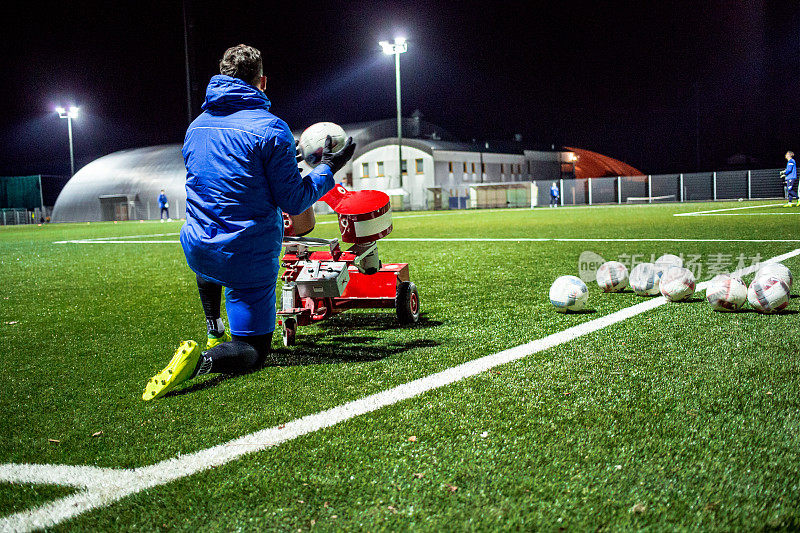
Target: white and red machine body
320,284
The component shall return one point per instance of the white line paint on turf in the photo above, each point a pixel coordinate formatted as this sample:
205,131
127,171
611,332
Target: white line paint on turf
117,240
478,239
140,236
554,239
780,214
69,475
92,241
105,486
714,211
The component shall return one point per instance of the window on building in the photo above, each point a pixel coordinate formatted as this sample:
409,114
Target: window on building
465,167
364,170
418,165
502,168
404,166
473,168
483,168
450,167
380,169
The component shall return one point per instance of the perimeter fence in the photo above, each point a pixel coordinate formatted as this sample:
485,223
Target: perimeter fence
687,187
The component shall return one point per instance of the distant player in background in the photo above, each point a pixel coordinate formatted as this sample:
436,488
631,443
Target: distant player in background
790,175
163,204
554,195
241,175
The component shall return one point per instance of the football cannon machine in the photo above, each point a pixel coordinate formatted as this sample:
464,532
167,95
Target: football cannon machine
321,279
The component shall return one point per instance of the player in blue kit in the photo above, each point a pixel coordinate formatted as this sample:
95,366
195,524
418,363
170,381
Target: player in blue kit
241,175
163,205
790,175
554,193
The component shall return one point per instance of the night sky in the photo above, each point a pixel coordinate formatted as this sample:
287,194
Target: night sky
631,80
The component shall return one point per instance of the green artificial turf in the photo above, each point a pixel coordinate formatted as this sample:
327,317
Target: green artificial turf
15,497
676,418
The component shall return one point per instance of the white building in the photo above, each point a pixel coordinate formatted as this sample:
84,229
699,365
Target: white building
439,173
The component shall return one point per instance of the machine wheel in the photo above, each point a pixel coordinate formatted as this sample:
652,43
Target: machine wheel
289,331
407,303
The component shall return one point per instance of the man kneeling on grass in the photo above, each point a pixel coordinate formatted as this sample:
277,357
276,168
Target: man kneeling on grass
241,174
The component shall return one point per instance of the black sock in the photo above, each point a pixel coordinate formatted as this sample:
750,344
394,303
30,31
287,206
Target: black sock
240,355
211,298
261,344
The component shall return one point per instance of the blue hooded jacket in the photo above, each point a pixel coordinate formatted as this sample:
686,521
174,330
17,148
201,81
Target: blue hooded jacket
241,173
791,170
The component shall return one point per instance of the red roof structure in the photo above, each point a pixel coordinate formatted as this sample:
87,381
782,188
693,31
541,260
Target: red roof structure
593,165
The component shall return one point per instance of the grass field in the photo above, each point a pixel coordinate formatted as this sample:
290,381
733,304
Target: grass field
674,418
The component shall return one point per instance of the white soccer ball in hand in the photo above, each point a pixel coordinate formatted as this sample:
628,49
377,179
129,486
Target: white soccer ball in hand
312,141
768,294
612,276
726,293
779,270
644,279
667,261
568,293
677,284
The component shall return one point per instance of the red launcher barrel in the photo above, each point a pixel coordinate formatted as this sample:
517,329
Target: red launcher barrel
364,216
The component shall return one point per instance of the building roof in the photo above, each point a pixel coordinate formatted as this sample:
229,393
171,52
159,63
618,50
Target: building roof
138,174
593,165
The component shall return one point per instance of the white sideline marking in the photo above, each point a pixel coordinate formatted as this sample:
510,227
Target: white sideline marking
69,475
781,214
713,211
580,239
476,239
107,485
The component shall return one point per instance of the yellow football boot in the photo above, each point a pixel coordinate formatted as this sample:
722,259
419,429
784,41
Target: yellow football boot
180,368
787,204
215,341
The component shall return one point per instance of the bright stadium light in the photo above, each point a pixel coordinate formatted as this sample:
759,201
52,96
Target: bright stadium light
396,48
69,115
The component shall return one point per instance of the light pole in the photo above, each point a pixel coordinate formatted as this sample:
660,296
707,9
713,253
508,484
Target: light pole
69,115
396,48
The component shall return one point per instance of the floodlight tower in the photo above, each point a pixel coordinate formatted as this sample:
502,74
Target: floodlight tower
396,48
69,115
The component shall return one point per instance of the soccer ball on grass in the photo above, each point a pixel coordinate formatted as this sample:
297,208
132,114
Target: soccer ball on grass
726,293
677,284
645,279
768,294
612,276
568,293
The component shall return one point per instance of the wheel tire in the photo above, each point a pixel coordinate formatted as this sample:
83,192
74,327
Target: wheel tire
289,332
407,303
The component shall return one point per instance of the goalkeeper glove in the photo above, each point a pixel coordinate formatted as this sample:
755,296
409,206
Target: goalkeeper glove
336,160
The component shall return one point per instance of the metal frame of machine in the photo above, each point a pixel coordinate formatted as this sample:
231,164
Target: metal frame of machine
320,284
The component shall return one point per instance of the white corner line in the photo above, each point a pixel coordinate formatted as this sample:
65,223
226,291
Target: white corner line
472,239
68,475
711,211
577,239
105,486
781,214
